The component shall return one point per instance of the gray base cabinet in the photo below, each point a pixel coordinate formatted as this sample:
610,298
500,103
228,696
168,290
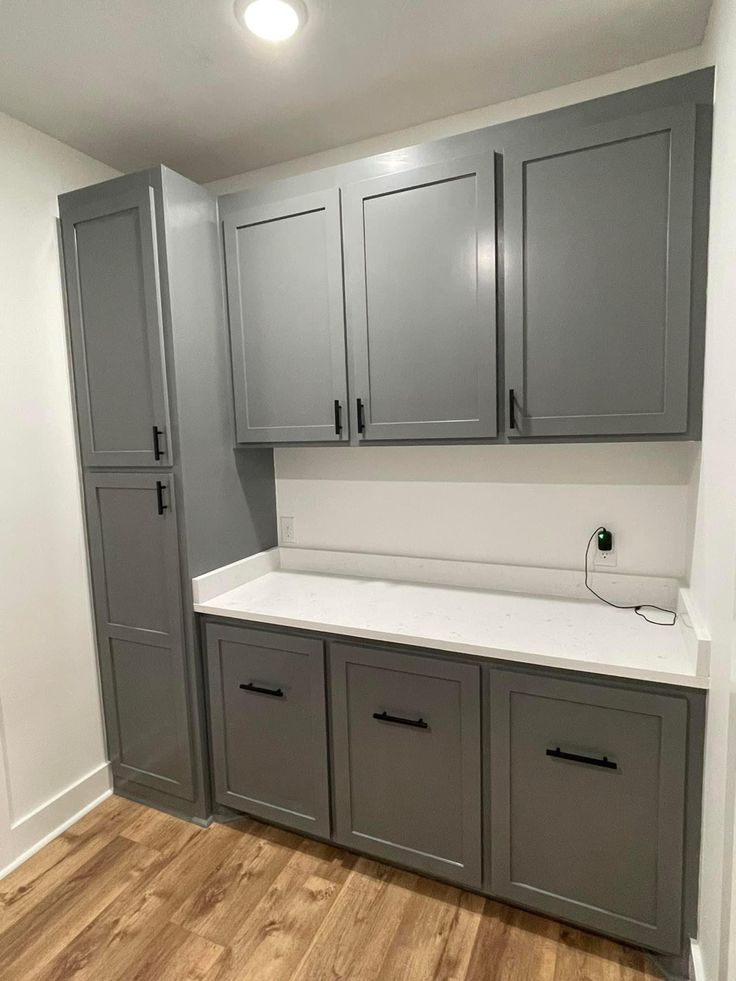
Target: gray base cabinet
588,803
573,796
269,729
406,742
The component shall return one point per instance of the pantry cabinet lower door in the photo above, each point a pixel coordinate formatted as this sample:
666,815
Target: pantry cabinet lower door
587,804
406,733
134,557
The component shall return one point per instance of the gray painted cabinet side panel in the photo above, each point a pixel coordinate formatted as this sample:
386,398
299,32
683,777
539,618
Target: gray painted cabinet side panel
241,481
115,320
601,847
598,239
269,747
408,794
420,299
285,300
136,584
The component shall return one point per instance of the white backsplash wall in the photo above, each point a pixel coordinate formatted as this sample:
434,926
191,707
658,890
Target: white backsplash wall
520,505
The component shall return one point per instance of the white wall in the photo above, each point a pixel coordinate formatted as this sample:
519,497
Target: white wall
714,555
530,505
517,505
52,753
564,95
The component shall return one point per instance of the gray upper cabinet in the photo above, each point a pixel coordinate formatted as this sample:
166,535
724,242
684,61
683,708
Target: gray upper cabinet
588,804
269,728
116,329
406,746
598,239
135,569
420,289
287,331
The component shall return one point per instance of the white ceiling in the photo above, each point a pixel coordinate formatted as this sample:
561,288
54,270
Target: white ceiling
136,82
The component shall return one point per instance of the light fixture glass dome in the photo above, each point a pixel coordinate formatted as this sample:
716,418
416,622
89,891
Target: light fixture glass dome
272,20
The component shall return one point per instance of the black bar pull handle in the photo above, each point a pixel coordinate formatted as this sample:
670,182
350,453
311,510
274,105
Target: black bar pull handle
160,488
273,692
157,433
416,723
361,416
592,760
512,409
338,418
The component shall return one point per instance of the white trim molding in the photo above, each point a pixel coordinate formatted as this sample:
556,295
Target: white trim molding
32,831
697,969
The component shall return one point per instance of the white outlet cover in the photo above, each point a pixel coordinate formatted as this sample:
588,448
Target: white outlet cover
287,530
605,559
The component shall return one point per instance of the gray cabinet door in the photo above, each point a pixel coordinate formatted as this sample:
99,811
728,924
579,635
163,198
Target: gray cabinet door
287,330
587,804
420,288
137,592
116,330
406,750
597,232
269,730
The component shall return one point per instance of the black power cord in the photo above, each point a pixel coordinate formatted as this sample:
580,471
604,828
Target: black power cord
619,606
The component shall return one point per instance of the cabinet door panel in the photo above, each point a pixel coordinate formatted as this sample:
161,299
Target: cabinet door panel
137,592
408,792
116,330
420,275
269,730
284,275
587,804
598,228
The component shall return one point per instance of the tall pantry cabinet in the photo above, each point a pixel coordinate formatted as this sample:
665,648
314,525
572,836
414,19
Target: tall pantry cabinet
166,495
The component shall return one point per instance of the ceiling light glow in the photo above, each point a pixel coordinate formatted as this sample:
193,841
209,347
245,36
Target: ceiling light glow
272,20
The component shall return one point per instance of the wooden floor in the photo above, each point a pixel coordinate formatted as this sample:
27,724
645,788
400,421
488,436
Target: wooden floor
133,894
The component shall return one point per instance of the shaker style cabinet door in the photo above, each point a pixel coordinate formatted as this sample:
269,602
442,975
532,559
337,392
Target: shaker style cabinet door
135,571
287,330
269,727
588,803
115,321
420,288
597,232
406,748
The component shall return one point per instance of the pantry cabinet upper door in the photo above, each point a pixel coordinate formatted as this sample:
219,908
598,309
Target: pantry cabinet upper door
597,231
116,330
284,281
420,287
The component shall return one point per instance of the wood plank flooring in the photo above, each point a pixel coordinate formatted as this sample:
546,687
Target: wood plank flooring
130,893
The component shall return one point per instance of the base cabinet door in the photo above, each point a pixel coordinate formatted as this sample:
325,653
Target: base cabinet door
587,813
269,732
136,582
406,733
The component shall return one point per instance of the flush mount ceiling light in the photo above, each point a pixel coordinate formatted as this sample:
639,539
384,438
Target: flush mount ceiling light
272,20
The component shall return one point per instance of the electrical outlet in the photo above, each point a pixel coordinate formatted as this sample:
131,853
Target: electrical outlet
605,560
287,531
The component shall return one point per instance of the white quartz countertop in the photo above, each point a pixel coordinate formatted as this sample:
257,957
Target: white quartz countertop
554,631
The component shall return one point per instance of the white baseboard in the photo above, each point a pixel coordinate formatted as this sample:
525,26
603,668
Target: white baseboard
697,970
32,831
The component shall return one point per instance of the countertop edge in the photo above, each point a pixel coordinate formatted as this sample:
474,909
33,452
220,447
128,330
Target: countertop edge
502,654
